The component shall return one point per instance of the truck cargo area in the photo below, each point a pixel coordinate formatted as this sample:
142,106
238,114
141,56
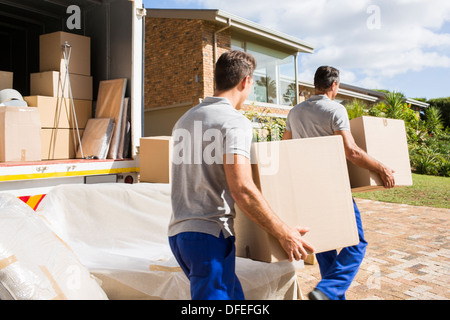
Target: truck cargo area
116,52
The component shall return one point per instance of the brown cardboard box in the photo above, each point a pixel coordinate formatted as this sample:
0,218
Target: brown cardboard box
49,84
385,140
59,144
155,155
6,80
20,139
305,181
51,57
57,113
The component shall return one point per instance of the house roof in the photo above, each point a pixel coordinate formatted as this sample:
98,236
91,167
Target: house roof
365,94
380,95
237,24
346,92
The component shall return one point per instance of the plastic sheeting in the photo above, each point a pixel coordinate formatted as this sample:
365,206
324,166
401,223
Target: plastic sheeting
119,232
34,263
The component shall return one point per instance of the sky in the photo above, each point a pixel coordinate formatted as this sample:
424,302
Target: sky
397,45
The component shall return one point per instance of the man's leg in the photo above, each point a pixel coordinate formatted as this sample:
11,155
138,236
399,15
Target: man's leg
338,274
209,263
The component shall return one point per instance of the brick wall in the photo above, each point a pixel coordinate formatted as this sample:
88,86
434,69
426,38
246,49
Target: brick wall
173,59
223,45
179,56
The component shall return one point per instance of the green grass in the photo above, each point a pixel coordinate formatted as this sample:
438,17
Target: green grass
430,191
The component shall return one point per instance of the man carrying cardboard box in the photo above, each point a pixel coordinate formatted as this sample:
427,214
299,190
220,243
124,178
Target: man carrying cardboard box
321,116
210,172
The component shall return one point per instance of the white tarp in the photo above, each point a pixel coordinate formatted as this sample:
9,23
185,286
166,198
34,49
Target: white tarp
34,263
119,232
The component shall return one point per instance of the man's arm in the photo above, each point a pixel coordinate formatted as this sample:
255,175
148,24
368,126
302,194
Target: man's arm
360,158
252,203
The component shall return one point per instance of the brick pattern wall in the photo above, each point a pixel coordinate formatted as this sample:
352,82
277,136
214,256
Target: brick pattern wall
223,45
179,56
173,61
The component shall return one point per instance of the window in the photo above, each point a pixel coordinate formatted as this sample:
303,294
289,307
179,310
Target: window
274,77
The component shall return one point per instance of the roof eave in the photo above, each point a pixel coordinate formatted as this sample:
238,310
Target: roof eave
237,23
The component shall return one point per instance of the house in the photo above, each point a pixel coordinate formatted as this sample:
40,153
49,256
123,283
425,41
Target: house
181,48
182,45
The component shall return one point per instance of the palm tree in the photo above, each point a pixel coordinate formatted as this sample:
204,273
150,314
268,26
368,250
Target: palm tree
394,104
434,122
271,88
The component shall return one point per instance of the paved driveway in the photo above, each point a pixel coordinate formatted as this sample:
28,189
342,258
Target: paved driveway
408,256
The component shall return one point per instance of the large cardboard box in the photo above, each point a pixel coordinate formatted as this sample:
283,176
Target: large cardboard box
57,112
305,181
59,144
51,54
155,157
20,138
6,80
385,140
50,84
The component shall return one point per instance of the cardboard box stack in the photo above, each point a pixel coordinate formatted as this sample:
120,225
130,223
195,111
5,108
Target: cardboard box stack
49,92
385,140
20,138
20,126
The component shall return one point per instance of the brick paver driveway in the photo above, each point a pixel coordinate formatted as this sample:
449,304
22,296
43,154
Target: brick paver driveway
408,256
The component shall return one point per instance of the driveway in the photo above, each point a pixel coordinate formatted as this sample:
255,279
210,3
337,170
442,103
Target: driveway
408,255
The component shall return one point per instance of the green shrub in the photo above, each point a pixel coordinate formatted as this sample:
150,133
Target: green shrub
356,108
443,104
270,128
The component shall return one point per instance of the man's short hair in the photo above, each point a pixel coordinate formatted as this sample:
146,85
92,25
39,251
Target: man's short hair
232,67
325,76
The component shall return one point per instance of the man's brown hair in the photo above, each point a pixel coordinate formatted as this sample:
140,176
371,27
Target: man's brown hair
232,67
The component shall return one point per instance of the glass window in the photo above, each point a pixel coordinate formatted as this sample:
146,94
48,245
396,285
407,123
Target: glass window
274,77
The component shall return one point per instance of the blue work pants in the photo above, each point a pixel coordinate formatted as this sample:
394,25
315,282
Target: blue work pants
209,263
339,270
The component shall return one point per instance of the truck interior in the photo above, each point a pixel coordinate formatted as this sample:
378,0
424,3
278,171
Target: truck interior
22,22
116,53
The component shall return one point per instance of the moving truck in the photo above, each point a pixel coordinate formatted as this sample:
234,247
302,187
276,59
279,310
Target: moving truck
116,32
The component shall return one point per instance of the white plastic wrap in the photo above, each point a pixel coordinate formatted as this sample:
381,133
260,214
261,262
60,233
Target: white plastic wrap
34,263
119,231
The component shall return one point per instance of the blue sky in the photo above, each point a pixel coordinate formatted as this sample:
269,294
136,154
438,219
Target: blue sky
401,45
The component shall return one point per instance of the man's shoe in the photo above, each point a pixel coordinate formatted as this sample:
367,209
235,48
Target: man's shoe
316,294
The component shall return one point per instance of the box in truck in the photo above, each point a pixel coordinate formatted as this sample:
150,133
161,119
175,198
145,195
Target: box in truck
108,44
51,56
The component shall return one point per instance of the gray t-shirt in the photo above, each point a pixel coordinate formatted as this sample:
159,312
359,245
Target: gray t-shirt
201,200
316,117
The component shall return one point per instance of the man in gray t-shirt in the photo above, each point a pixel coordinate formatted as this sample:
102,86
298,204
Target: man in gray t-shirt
325,117
321,116
202,201
211,171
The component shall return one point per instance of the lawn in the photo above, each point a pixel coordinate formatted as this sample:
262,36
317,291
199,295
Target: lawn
430,191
